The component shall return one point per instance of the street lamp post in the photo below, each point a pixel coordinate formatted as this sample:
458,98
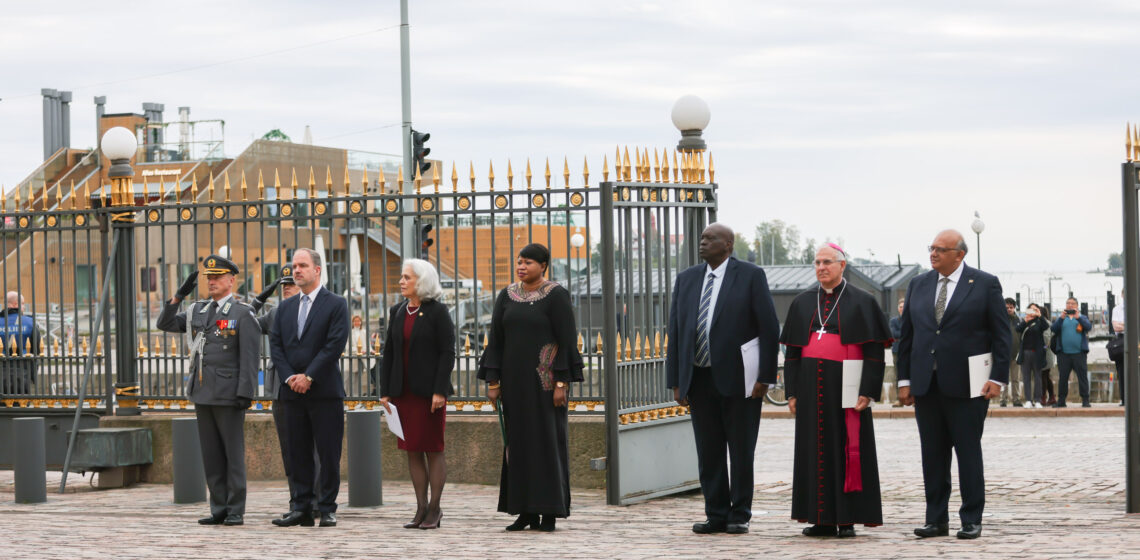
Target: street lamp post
577,241
978,226
119,145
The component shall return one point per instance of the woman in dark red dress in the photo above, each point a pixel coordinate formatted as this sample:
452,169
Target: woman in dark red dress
415,375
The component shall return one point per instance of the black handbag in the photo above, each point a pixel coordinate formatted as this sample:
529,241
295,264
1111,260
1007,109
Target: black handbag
1115,348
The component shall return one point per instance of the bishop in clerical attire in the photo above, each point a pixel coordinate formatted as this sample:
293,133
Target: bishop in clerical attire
835,483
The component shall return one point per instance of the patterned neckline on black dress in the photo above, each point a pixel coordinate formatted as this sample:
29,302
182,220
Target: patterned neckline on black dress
518,293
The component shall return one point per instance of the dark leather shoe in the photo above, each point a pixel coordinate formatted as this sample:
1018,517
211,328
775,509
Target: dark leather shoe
933,530
1086,405
302,518
235,519
1060,405
820,531
709,527
547,524
846,532
212,520
736,528
328,519
524,520
970,531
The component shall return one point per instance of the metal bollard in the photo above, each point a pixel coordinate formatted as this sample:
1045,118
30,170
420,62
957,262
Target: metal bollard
364,477
29,460
189,471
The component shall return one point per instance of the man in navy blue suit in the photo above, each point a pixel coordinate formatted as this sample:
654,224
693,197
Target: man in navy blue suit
952,313
306,339
718,307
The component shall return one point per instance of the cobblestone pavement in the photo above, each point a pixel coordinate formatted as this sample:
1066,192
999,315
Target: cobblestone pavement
1055,490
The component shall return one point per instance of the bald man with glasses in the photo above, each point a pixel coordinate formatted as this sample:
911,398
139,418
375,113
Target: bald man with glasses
952,313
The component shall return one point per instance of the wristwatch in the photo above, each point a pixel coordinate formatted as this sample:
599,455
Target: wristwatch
560,384
309,378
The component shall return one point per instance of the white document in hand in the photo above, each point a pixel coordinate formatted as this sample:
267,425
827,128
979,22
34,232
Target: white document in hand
852,378
980,367
394,425
750,353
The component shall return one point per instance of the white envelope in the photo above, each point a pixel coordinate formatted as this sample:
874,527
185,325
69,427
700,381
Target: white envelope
980,367
750,353
852,378
394,425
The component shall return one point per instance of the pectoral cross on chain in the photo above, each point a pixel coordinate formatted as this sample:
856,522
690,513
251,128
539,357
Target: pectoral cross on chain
821,333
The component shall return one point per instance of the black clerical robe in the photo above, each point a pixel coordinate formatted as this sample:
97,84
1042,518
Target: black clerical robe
836,475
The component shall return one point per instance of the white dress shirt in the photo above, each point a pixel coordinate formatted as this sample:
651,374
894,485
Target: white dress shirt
718,279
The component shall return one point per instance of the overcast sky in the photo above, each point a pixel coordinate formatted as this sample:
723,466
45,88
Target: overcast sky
878,122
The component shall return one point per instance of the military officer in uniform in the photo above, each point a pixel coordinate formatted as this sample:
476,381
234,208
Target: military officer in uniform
224,358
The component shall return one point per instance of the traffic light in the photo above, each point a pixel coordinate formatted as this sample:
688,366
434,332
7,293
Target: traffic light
425,241
419,152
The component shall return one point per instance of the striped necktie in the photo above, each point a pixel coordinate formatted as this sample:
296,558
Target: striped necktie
703,313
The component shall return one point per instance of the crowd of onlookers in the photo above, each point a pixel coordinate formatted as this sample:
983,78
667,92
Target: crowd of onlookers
1045,353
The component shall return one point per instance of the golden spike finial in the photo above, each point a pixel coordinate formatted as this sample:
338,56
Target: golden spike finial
605,169
59,195
491,174
157,346
645,172
581,343
380,180
467,344
2,345
210,188
28,345
585,171
676,168
347,183
637,336
3,205
400,179
625,166
293,184
1136,143
566,171
712,170
547,174
640,165
73,197
42,346
375,344
364,181
656,167
472,163
14,348
142,346
454,178
54,347
617,346
227,188
435,178
528,174
657,344
98,346
617,163
1128,141
328,181
598,344
276,184
419,180
510,176
703,168
360,347
244,186
628,350
484,339
174,347
312,183
16,198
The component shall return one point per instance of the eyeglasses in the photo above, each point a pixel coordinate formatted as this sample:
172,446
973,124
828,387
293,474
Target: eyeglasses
941,250
825,262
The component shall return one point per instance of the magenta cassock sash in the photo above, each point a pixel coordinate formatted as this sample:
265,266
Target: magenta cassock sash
829,347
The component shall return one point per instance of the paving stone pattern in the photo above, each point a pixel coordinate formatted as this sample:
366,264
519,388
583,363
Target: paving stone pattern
1055,489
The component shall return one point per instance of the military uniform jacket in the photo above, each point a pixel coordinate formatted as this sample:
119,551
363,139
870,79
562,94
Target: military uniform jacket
226,372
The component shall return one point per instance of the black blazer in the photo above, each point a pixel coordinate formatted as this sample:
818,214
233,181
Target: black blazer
431,355
744,310
316,352
975,322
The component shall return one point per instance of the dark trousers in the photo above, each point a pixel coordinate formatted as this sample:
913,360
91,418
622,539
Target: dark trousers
283,442
948,424
1067,363
720,422
1120,378
314,424
221,432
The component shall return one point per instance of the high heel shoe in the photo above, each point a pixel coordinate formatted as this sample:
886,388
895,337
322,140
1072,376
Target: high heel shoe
524,520
547,523
417,520
433,524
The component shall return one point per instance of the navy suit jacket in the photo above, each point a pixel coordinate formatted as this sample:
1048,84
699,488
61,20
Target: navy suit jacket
315,352
744,310
975,322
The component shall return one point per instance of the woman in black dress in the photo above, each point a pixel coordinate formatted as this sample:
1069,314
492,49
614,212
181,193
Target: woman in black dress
415,375
531,358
